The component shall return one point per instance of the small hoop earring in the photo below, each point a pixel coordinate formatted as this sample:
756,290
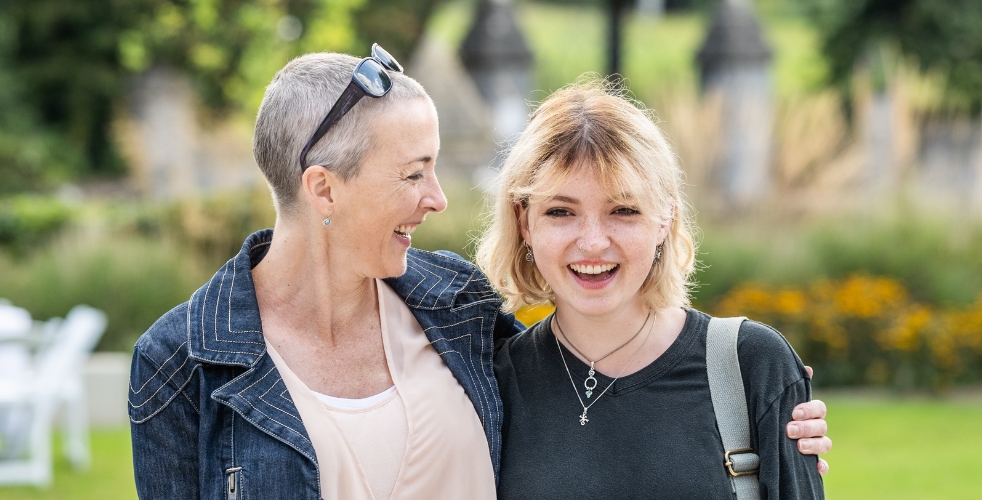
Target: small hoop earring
327,221
528,253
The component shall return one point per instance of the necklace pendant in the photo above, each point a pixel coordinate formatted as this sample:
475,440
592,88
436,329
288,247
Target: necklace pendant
590,384
583,419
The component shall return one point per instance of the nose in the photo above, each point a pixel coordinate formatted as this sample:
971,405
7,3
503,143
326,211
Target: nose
593,237
434,200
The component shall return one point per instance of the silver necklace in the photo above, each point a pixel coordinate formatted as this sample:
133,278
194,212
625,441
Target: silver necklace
590,383
586,408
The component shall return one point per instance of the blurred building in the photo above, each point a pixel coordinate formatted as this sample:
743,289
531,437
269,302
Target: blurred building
466,121
735,68
170,152
499,61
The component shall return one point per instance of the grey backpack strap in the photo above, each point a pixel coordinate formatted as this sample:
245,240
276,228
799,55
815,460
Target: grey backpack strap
730,405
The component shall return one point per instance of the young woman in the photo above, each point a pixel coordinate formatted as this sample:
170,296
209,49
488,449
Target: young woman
609,396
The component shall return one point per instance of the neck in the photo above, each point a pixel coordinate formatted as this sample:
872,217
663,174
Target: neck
303,288
593,337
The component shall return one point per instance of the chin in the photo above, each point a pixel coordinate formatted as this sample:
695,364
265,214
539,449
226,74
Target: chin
394,269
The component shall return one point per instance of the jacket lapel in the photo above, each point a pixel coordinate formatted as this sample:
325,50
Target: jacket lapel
225,328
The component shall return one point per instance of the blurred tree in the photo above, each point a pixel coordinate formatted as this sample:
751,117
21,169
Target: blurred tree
65,64
59,79
943,36
394,24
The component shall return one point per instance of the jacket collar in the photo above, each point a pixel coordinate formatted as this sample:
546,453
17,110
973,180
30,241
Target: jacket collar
224,326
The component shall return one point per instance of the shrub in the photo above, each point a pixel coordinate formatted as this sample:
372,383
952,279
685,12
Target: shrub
867,330
27,221
133,279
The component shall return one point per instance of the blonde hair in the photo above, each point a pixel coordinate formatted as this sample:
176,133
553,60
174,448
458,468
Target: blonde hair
590,124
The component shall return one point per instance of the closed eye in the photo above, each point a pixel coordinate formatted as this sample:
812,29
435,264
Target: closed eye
418,176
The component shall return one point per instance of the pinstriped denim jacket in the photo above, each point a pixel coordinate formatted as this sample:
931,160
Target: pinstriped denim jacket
210,415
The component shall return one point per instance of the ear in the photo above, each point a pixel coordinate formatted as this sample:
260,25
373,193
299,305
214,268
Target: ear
665,227
320,186
521,214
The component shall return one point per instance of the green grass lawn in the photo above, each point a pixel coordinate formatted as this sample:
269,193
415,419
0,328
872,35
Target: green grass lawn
910,449
884,448
109,478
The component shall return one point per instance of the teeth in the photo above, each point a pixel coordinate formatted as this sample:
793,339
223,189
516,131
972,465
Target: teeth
592,269
406,229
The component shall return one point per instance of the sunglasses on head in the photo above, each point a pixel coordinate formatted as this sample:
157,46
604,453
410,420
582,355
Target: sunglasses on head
370,78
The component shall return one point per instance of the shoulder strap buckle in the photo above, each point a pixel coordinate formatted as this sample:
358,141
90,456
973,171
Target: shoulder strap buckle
741,462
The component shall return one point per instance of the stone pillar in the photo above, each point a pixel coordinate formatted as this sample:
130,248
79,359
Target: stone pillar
734,62
171,153
950,165
499,61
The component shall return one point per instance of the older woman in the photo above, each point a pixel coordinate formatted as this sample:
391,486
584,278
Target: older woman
328,359
296,372
609,396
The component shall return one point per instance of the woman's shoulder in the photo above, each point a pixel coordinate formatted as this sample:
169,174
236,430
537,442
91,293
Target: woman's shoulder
167,334
522,348
161,366
441,258
766,358
758,340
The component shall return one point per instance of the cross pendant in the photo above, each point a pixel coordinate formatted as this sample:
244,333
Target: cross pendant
583,419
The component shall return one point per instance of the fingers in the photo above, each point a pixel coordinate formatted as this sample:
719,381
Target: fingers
823,467
807,429
811,373
810,410
814,446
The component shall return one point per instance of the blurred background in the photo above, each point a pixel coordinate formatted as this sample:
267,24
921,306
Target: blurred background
832,148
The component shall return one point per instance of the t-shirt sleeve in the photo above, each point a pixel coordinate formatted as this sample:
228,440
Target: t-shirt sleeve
776,381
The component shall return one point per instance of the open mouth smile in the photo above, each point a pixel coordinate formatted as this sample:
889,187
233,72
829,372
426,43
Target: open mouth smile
594,273
405,230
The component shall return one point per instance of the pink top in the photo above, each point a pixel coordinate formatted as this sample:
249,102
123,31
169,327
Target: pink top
423,440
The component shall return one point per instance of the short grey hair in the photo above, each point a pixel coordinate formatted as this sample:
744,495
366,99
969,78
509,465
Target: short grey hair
298,98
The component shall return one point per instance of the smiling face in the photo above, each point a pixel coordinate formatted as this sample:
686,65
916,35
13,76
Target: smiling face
377,211
594,252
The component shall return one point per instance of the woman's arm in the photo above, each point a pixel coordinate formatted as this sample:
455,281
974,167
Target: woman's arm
784,471
777,384
164,433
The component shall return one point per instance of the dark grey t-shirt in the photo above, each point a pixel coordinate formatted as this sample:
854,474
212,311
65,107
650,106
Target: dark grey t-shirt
653,435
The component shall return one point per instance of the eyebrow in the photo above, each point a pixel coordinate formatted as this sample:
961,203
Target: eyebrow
565,199
423,159
573,201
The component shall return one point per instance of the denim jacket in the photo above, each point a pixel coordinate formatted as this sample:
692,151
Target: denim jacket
210,415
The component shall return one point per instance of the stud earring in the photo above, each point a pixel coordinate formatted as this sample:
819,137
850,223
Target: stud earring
528,253
327,221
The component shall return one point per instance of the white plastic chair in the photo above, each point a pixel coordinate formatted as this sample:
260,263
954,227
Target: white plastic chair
54,382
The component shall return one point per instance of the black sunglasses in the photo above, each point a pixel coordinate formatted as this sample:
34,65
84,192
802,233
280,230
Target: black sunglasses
369,78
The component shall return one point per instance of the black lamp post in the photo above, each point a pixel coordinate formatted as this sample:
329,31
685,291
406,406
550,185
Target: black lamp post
615,22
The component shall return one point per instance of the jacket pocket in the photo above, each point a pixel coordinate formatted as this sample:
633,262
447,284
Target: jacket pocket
233,483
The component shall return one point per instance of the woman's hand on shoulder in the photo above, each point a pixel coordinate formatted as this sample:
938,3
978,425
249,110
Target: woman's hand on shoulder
808,426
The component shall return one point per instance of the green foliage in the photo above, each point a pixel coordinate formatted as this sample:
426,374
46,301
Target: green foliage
134,280
65,67
938,259
26,221
939,35
375,21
